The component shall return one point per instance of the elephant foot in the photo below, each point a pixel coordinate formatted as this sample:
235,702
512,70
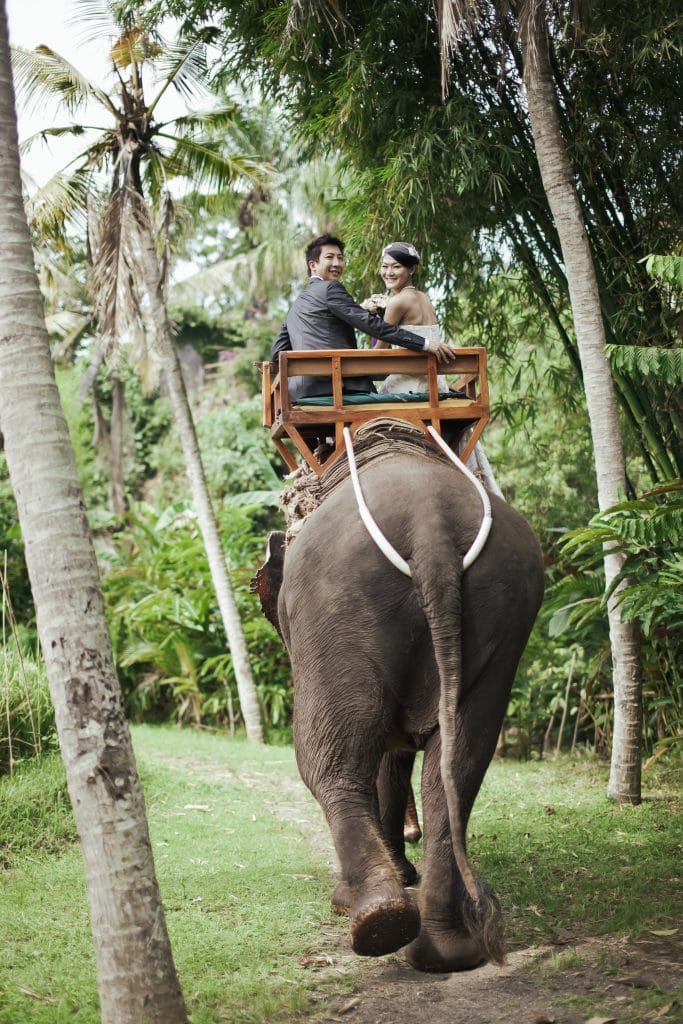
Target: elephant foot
341,899
384,927
442,952
412,833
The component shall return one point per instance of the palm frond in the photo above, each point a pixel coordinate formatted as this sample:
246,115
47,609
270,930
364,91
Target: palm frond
69,326
113,271
331,13
155,176
162,232
183,66
95,20
50,133
218,119
205,164
663,364
42,77
455,18
133,47
59,200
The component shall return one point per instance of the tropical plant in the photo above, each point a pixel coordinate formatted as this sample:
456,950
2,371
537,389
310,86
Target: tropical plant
128,228
487,133
165,623
648,532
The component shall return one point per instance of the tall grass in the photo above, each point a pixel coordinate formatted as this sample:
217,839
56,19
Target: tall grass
27,724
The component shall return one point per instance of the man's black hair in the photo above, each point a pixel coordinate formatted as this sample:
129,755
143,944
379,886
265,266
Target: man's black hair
314,248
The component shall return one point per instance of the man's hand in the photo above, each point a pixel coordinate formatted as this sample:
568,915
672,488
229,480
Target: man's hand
444,353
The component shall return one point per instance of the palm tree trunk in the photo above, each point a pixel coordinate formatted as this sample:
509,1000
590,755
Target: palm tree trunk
117,494
137,978
162,343
558,182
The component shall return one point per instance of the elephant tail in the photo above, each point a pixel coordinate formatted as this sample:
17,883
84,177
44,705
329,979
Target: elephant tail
481,910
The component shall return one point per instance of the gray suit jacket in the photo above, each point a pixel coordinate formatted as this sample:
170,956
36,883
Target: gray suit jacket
325,316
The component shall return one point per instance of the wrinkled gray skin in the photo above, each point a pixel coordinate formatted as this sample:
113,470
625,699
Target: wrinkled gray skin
373,653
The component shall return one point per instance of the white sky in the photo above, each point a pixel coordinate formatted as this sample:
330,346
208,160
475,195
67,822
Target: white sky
32,22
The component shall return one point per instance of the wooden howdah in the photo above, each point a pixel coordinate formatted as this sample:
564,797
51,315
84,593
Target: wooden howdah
305,429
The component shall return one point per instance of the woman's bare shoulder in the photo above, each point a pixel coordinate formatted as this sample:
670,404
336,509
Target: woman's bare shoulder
401,308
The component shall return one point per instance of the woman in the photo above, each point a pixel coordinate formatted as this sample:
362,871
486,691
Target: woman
411,309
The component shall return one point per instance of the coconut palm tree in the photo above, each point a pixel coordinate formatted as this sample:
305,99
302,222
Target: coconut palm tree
601,402
137,978
118,185
456,17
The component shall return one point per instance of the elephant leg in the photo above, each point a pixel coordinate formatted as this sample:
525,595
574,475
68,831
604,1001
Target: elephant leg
395,795
445,942
341,897
412,833
339,761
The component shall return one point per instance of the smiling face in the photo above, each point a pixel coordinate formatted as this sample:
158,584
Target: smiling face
330,265
395,275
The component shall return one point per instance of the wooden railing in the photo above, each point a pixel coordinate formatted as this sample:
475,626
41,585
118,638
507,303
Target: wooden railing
308,427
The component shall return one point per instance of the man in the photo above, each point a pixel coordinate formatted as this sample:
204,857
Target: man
325,316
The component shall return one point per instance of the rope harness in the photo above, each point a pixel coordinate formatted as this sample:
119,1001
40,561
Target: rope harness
379,439
387,549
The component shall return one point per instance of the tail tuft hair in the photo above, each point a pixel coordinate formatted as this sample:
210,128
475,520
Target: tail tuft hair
484,922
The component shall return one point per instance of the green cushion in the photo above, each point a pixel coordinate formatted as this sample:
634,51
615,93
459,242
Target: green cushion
360,398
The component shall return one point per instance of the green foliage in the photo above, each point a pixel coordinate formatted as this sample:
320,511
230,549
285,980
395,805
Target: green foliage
165,624
665,364
13,565
79,417
27,721
649,532
238,457
649,589
459,176
668,269
244,891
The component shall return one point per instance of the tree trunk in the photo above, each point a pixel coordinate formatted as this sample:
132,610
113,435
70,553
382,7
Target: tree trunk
137,978
162,343
117,492
558,182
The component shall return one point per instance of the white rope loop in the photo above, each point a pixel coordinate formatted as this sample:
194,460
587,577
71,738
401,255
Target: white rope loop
487,521
373,529
387,549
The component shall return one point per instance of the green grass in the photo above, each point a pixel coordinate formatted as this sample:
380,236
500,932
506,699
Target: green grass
247,894
560,855
35,812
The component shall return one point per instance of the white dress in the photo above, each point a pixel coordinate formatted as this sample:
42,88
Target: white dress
406,384
403,383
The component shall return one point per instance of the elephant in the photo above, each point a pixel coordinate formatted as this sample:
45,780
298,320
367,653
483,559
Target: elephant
385,664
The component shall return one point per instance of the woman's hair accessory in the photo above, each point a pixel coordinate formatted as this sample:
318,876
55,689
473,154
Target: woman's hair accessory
402,252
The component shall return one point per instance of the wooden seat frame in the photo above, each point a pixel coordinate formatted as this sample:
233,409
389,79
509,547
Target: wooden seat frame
297,423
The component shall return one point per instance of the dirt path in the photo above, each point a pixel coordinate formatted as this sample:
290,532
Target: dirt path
600,980
595,981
